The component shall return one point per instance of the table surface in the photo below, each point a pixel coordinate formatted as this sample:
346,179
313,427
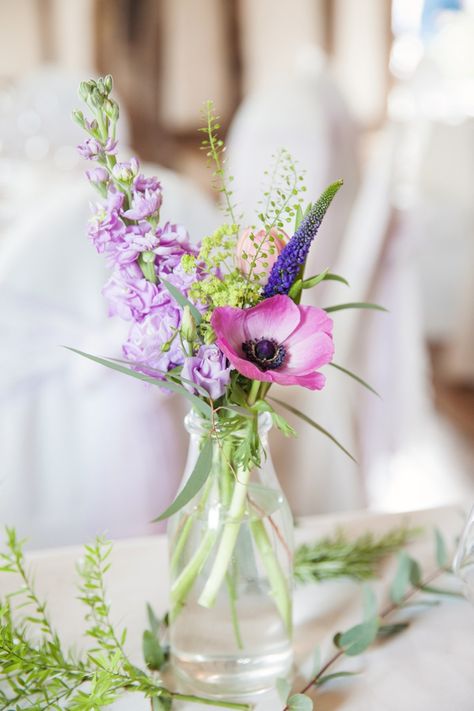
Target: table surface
427,667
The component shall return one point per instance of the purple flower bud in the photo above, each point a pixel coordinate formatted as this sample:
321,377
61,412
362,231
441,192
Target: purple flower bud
210,369
97,175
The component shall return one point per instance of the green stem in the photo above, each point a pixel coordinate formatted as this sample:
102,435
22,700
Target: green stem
185,581
228,540
253,394
274,572
230,580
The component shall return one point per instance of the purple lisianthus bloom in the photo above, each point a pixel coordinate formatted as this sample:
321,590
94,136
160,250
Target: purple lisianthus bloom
131,296
153,344
134,240
210,369
143,204
91,148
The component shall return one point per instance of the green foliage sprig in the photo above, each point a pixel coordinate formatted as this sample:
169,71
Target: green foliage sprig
407,584
339,557
37,673
214,148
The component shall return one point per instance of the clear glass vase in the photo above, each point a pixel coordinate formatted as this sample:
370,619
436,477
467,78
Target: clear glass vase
231,553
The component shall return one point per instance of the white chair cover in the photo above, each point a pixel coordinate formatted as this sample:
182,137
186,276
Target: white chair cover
305,114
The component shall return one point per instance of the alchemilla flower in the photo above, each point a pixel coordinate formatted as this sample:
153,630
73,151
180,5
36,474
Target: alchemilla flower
210,369
276,341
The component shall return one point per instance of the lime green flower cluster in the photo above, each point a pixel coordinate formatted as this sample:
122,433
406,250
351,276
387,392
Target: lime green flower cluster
224,284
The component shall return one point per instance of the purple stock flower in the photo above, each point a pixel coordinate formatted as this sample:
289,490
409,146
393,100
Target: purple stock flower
210,369
97,175
131,242
294,254
130,295
173,240
104,228
143,204
141,183
127,169
152,344
91,148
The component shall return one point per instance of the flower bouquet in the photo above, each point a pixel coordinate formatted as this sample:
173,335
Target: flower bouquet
218,323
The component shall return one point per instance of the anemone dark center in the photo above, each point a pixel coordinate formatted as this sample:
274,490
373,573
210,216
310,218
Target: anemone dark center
266,353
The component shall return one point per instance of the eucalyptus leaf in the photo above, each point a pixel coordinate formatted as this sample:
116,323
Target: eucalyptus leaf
415,573
167,384
392,630
440,591
336,675
181,299
314,424
194,484
356,639
354,305
441,550
369,602
283,687
300,702
401,582
355,377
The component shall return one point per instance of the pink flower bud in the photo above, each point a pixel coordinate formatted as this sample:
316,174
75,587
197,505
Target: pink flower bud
257,251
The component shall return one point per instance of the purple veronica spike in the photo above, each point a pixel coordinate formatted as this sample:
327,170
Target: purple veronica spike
286,268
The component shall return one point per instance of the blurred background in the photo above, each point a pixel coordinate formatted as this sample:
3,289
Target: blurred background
378,92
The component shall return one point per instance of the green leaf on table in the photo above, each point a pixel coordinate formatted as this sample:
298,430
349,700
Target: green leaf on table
336,675
355,377
153,652
356,639
167,384
283,687
441,550
369,603
354,305
401,582
181,299
314,424
194,484
391,630
300,702
440,591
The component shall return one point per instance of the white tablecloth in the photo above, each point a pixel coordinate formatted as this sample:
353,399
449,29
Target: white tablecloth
428,667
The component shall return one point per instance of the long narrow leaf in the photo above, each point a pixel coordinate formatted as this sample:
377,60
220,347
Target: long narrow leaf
181,299
314,424
194,484
355,377
164,384
336,277
354,305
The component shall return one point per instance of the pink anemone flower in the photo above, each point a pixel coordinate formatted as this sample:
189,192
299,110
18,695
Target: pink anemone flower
276,341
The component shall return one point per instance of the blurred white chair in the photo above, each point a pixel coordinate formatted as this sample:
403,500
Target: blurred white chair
82,449
305,113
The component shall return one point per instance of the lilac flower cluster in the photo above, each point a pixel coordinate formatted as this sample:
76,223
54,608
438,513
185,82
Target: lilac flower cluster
294,254
125,228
